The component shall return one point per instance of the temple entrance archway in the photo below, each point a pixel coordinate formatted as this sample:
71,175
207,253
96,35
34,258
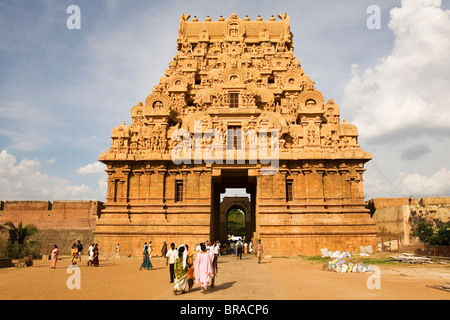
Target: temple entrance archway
233,204
235,222
232,179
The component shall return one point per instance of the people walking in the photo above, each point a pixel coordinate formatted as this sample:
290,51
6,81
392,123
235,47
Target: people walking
150,249
91,254
164,251
74,254
146,264
232,247
190,265
259,250
80,249
117,251
95,260
239,249
180,270
171,255
203,268
54,256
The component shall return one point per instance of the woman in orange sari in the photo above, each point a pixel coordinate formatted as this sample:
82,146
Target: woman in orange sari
55,253
74,254
190,265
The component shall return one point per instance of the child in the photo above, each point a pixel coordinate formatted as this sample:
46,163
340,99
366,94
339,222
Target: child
190,276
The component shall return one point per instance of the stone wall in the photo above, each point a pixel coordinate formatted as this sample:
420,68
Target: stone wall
58,222
398,216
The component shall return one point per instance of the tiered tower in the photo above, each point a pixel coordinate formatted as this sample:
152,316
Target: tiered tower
236,109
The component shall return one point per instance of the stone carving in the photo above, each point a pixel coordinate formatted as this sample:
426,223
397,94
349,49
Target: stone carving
255,63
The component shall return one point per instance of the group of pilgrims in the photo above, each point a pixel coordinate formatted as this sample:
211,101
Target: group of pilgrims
75,255
184,268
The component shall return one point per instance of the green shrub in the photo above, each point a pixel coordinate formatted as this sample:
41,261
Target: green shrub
428,235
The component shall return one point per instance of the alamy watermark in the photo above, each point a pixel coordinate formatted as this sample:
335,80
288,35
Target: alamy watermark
74,20
73,281
374,281
374,20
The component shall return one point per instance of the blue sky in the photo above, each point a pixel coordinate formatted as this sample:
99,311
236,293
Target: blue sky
62,91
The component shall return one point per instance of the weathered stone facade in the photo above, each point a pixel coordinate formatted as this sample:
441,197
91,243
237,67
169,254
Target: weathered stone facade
235,109
399,216
59,222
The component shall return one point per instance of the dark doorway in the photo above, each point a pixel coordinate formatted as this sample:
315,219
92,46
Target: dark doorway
233,182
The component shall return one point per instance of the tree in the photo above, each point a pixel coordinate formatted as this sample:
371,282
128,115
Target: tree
426,233
21,233
236,222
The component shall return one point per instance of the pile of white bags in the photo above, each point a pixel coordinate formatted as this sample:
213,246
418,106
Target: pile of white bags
338,264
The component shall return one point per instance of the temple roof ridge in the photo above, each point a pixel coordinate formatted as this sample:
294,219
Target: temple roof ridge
234,28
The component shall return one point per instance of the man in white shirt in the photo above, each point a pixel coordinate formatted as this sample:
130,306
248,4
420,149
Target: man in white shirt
171,255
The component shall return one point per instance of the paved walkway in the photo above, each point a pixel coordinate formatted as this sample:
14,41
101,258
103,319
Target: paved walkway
236,279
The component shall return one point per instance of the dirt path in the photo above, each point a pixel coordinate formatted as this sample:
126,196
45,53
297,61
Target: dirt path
274,279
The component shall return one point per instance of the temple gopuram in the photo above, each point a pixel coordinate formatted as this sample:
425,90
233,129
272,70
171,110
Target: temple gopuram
235,109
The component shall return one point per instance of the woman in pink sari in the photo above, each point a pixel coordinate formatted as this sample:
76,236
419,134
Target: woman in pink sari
203,268
55,253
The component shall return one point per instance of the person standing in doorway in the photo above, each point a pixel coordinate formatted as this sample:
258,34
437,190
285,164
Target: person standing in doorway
171,255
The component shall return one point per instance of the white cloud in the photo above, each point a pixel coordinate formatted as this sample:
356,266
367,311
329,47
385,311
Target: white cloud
406,93
438,184
407,184
24,181
401,105
51,161
96,168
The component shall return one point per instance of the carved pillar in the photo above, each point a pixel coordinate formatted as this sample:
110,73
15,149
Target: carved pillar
111,186
124,185
137,188
148,174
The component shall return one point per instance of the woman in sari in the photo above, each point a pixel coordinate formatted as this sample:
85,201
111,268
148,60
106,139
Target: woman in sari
146,264
74,254
203,268
190,266
55,253
180,268
95,260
